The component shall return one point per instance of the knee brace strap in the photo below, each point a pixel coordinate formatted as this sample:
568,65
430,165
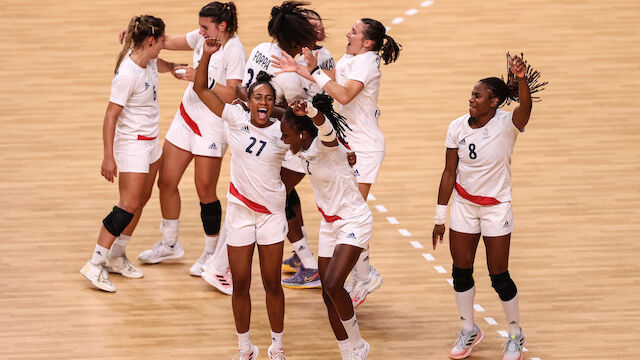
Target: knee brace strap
292,200
211,215
504,286
462,279
117,221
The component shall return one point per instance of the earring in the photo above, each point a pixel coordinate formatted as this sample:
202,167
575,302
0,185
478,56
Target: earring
300,136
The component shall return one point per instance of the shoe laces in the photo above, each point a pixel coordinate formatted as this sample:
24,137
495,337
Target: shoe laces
513,344
356,353
462,339
277,355
103,275
127,264
203,258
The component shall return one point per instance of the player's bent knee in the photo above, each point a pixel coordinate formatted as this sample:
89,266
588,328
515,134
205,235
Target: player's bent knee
211,215
504,286
117,220
462,279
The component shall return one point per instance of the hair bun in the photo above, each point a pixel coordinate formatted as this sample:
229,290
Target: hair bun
263,77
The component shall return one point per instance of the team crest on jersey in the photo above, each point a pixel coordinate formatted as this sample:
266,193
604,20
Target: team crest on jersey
146,85
463,142
213,146
246,129
485,133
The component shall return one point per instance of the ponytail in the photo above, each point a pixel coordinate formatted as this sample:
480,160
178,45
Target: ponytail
384,44
139,29
506,92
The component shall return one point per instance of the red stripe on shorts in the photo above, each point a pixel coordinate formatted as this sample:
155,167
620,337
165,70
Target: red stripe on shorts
252,205
142,137
192,124
480,200
329,218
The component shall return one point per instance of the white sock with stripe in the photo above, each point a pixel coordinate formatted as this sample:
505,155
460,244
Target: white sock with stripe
512,312
353,331
99,255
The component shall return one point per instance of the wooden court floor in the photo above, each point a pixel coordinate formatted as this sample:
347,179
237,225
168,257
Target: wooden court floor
575,251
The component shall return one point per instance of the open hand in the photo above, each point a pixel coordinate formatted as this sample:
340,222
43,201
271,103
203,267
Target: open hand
285,63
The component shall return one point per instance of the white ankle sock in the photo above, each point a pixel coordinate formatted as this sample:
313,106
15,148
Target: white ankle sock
353,331
512,312
465,308
99,255
362,266
301,247
276,340
244,343
119,246
169,230
210,242
343,345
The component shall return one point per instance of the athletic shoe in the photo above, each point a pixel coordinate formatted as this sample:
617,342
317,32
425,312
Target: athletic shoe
221,281
161,252
360,353
196,269
121,265
513,346
303,279
98,275
465,343
292,264
276,354
363,288
251,355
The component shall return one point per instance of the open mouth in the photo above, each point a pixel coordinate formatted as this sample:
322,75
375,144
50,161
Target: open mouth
262,113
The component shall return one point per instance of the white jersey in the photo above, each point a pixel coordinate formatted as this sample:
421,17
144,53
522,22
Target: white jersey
362,112
256,157
136,90
289,86
333,182
484,165
325,62
225,64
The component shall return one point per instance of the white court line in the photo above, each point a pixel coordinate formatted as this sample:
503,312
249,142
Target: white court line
388,28
440,269
411,12
370,197
426,3
404,232
535,358
429,257
393,220
381,208
450,281
416,244
397,20
478,308
503,333
490,321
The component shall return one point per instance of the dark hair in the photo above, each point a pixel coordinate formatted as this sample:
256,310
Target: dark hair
506,92
140,28
290,27
310,13
324,104
219,12
261,78
300,123
384,44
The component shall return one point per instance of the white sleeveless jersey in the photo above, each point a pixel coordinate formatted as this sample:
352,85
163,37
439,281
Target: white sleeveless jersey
225,64
289,86
136,90
333,181
362,112
484,165
256,157
325,62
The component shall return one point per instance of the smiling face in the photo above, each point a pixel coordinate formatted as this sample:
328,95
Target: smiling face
356,42
290,136
261,102
482,101
209,29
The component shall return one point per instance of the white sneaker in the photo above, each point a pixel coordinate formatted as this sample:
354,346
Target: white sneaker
275,354
98,275
251,355
121,265
364,288
513,346
161,252
360,353
196,269
221,281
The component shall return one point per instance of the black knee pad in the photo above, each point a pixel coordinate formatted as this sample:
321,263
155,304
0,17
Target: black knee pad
462,279
292,200
117,221
211,215
504,286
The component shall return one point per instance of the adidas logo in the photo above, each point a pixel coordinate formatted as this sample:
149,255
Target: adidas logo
213,146
146,85
284,229
506,224
463,142
246,129
355,171
301,248
351,236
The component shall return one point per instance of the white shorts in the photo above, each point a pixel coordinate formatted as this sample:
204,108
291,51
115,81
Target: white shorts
367,166
293,163
245,226
493,220
211,142
355,231
135,156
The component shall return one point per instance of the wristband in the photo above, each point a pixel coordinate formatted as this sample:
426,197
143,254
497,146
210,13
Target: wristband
315,69
213,83
441,214
311,110
321,78
326,132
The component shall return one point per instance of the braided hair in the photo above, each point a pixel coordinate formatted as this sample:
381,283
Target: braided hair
506,92
324,104
139,28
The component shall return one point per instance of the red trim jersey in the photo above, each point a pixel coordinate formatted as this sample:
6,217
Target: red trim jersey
333,182
136,90
362,111
256,158
483,175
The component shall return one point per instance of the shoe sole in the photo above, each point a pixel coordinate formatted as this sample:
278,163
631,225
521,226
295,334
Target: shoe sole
468,352
312,285
289,269
159,260
213,282
84,273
